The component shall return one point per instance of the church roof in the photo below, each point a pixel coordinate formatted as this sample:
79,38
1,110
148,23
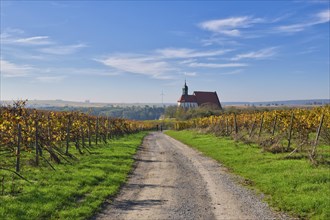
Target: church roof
207,97
187,98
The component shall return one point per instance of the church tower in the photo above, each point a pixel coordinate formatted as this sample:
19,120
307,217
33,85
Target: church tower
198,98
185,89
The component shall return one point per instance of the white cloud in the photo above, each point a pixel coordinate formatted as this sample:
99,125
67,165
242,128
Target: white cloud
9,32
14,41
217,65
62,50
309,50
260,54
50,79
281,17
292,28
319,18
229,26
9,69
8,38
216,40
190,73
161,63
323,16
140,65
37,40
70,71
14,31
52,74
21,53
188,61
234,72
188,53
86,71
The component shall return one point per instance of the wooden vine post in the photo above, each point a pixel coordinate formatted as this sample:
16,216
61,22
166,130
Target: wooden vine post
220,125
227,129
89,133
235,124
108,128
19,139
274,125
317,137
82,136
68,135
252,128
105,130
261,125
49,132
97,130
18,150
36,140
223,125
290,131
109,125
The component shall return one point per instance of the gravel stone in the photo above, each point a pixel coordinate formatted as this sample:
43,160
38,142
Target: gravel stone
172,181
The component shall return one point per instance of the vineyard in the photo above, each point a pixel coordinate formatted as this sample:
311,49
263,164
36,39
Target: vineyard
277,131
43,138
64,165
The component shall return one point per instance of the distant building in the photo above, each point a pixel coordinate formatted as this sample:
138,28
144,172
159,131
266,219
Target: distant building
198,98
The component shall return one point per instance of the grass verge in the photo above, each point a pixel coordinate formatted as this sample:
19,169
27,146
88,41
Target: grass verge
290,185
72,191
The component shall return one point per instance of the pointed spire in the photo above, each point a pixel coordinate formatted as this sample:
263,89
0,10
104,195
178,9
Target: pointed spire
185,88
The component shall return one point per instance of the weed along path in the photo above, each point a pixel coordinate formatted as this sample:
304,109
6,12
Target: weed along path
173,181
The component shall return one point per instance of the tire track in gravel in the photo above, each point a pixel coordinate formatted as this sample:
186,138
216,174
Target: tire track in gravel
173,181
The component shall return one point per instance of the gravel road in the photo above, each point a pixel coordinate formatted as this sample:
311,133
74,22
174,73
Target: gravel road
173,181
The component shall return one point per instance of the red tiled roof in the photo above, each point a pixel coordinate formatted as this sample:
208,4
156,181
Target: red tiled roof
187,98
207,97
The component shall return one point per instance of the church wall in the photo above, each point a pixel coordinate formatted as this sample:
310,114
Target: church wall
187,104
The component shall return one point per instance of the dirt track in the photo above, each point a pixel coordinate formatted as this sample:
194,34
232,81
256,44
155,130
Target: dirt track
172,181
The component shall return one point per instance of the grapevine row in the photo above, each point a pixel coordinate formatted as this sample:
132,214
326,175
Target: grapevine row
49,135
304,126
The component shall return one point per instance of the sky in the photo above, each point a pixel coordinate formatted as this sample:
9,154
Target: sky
134,51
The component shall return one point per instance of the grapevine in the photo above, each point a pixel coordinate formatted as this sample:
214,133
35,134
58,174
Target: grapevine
286,130
52,136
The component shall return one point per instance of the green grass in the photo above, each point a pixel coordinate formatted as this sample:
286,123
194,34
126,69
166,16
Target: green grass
293,186
72,191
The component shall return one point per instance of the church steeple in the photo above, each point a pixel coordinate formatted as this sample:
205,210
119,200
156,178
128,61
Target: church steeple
185,89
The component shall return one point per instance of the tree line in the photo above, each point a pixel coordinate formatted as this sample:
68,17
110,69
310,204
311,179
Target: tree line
129,112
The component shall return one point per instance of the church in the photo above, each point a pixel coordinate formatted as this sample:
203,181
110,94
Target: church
198,98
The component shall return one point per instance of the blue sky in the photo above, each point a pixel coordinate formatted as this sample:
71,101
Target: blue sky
128,51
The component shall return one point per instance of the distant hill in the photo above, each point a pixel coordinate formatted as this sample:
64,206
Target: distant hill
136,111
87,104
281,103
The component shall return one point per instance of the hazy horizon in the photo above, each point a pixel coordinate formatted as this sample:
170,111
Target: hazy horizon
157,103
129,52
